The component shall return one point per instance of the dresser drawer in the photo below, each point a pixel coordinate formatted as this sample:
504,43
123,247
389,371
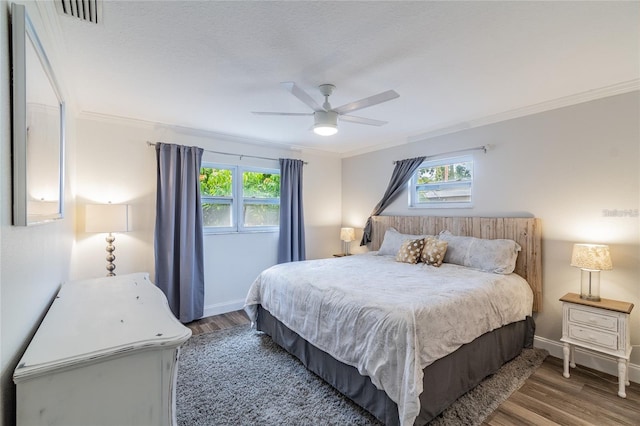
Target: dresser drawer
593,319
594,337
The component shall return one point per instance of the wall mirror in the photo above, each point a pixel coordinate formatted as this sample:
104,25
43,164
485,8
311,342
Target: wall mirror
38,128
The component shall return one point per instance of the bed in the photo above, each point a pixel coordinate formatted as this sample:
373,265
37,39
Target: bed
405,340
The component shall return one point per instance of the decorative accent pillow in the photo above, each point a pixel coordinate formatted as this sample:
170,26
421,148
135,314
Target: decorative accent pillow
410,251
434,251
393,241
497,256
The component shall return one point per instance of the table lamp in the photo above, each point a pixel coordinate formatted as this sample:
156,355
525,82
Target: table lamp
107,218
591,259
347,235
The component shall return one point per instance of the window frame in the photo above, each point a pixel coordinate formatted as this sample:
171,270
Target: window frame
237,200
445,161
243,200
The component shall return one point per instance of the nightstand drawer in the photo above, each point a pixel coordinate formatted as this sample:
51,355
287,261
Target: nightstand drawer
593,319
595,337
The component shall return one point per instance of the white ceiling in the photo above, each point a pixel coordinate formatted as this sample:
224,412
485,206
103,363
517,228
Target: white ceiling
207,64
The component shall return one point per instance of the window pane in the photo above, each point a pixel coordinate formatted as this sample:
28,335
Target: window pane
216,182
444,193
216,215
260,185
444,182
261,215
445,173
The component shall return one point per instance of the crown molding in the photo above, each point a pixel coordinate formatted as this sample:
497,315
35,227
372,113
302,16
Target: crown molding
444,129
565,101
162,128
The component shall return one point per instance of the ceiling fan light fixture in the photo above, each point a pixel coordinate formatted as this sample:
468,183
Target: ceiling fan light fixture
325,123
325,129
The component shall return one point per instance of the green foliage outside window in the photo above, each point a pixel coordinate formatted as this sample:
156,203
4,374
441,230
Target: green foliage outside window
261,185
258,203
216,182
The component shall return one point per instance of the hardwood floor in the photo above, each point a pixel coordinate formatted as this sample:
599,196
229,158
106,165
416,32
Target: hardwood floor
589,397
218,322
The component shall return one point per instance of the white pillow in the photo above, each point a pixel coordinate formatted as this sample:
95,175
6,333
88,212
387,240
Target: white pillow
393,241
497,256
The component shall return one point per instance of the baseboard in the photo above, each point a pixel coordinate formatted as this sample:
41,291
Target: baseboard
223,308
603,363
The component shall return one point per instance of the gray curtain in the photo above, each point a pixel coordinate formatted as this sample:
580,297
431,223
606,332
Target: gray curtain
179,250
291,241
401,174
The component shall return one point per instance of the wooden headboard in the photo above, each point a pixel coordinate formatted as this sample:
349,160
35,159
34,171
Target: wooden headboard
525,231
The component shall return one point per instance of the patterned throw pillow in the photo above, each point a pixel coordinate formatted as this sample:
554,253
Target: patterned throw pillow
410,251
433,251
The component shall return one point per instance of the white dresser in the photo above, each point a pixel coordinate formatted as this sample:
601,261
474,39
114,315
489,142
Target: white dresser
106,353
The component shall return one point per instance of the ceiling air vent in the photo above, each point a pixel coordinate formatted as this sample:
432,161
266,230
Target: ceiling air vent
86,10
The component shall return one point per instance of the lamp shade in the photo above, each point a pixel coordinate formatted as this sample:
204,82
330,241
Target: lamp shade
106,218
347,234
592,257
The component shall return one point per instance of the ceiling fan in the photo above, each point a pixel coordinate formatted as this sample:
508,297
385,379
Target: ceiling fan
325,117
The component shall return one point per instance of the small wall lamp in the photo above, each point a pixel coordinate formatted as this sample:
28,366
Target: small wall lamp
591,259
347,235
107,218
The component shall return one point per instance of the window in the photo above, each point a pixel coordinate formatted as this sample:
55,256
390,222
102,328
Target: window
239,199
446,182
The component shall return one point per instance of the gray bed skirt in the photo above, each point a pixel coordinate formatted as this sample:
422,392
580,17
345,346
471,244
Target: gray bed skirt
444,381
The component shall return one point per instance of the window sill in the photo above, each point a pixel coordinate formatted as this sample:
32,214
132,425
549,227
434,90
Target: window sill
443,206
228,232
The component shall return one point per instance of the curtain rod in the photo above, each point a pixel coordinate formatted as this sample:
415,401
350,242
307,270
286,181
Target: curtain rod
477,148
232,154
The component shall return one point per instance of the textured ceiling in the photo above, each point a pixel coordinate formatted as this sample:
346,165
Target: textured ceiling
206,65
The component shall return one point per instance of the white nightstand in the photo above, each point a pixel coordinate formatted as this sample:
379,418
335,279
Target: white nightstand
598,326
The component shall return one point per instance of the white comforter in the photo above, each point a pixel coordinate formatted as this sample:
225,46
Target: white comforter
388,319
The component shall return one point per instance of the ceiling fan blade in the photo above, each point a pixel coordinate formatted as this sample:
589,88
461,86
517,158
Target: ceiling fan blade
361,120
302,95
281,113
367,102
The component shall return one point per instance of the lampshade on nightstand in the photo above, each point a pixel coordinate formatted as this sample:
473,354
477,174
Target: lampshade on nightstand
107,218
591,259
347,235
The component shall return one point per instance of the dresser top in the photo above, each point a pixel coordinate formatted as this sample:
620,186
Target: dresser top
609,304
93,319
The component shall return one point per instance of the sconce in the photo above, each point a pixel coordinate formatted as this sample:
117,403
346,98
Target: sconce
107,218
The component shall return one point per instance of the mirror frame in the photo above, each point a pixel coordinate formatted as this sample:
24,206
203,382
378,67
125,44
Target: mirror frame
23,36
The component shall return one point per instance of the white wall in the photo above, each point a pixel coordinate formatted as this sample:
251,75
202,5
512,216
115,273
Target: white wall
564,166
116,164
34,260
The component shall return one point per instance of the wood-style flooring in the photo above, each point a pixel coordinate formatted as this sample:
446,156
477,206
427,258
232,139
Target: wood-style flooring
589,397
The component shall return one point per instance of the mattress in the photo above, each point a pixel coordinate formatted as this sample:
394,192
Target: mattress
389,320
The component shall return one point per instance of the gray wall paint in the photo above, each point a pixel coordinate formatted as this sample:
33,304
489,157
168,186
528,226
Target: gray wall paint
34,260
564,166
116,164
